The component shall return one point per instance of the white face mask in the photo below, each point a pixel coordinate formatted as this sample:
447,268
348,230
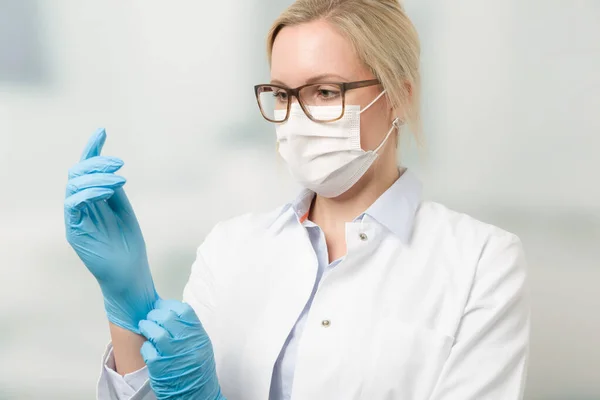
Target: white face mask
326,157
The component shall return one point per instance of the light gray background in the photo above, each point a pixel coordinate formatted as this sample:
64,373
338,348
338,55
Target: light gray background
511,108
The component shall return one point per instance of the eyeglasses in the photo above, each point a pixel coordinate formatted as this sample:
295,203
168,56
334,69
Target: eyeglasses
275,101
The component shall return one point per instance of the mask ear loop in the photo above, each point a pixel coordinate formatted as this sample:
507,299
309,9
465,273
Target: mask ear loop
371,103
396,124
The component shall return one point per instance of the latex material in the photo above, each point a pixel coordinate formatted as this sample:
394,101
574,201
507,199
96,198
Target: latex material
326,158
104,232
179,354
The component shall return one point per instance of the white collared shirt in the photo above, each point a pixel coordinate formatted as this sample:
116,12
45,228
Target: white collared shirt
399,221
428,305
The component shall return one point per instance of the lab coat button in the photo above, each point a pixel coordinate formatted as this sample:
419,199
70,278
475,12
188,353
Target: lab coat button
363,237
326,323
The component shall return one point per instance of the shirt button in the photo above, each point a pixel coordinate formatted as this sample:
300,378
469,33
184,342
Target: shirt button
326,323
363,237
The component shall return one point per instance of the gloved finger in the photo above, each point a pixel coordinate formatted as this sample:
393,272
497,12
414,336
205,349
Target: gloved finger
94,165
178,318
86,197
182,310
118,201
157,335
83,182
149,352
176,327
74,204
161,316
94,145
122,207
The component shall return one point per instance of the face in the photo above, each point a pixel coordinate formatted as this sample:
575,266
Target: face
315,52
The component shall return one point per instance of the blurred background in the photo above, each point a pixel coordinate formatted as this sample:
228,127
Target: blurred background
512,127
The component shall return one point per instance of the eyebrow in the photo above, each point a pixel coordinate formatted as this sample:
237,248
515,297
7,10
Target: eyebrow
322,78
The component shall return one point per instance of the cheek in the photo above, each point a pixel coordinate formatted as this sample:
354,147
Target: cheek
373,127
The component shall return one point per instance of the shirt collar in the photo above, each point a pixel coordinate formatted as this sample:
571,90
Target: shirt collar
395,208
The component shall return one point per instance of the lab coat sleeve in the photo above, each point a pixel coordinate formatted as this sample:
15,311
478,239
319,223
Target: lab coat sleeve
201,288
489,357
112,386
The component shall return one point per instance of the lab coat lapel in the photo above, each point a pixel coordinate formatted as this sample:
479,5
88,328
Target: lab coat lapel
292,272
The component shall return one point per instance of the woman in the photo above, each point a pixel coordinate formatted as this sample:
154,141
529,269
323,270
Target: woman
357,289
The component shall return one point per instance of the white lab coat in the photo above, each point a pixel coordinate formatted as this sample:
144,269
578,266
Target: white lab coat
440,316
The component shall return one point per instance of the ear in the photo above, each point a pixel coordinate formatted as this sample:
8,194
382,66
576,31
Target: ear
391,110
399,111
409,89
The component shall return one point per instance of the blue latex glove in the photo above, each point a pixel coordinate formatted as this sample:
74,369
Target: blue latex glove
179,354
104,232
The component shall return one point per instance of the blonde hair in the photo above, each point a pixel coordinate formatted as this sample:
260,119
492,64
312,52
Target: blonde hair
384,38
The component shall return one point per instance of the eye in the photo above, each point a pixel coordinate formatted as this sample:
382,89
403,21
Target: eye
328,92
280,95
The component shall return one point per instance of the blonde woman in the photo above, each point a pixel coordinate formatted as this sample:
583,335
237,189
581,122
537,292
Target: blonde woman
357,289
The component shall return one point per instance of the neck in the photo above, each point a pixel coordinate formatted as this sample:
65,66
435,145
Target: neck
332,214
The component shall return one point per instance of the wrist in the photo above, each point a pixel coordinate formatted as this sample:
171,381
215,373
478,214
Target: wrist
126,350
129,307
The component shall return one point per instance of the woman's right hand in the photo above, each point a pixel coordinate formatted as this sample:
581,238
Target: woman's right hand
179,354
104,232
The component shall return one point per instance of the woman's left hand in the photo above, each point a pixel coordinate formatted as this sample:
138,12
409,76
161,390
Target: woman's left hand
179,354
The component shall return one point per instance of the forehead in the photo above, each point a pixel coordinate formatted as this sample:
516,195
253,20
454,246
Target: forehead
301,52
